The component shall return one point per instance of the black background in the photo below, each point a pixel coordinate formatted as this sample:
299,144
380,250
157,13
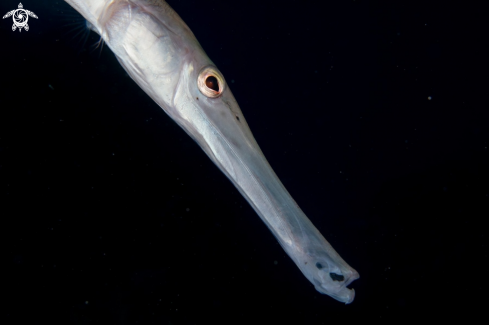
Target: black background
111,214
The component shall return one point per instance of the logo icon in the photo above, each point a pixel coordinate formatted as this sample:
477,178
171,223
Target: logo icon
20,17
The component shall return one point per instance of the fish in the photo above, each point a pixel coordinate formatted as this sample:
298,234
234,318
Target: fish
161,54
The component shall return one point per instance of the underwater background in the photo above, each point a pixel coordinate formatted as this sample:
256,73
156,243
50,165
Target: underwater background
374,115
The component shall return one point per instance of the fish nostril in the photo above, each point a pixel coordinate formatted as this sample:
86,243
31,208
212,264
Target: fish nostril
319,266
336,277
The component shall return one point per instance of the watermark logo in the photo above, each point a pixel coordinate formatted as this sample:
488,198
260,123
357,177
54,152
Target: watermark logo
20,17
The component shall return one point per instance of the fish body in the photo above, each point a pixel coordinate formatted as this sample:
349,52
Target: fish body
162,55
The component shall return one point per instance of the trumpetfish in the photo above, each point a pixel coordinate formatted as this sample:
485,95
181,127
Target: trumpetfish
161,54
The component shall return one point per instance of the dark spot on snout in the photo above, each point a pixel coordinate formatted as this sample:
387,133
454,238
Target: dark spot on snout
336,277
319,266
237,118
197,98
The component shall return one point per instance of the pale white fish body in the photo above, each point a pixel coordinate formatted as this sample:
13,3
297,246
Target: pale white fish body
164,58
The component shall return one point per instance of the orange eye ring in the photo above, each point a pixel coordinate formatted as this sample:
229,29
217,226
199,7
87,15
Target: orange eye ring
211,82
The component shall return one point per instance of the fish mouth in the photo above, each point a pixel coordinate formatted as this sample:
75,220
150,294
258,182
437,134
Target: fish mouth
341,293
345,294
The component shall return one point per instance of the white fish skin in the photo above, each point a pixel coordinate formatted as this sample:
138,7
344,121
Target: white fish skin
162,55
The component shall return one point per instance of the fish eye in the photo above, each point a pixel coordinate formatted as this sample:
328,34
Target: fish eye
211,82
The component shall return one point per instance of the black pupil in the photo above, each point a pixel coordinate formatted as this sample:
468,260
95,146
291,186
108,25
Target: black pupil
211,82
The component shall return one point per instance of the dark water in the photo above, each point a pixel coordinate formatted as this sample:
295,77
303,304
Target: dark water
373,114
